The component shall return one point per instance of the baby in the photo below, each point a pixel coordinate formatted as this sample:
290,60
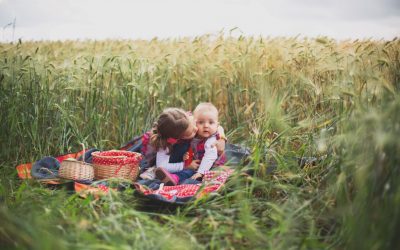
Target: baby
206,118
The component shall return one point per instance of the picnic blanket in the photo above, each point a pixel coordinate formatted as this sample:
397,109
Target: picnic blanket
212,181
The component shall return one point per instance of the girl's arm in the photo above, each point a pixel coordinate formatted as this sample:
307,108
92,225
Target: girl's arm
162,160
220,144
221,132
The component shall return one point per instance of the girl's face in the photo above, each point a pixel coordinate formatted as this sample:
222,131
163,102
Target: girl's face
191,131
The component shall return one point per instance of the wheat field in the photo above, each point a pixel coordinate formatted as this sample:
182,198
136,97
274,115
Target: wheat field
283,98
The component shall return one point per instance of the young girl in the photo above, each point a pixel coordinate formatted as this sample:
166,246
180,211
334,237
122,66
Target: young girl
174,127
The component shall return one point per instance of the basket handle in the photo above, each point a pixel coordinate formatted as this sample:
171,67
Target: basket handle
48,170
84,151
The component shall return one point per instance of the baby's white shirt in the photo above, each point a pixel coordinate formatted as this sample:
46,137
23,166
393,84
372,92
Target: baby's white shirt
210,155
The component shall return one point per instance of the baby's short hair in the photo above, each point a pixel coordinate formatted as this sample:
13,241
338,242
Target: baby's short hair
205,106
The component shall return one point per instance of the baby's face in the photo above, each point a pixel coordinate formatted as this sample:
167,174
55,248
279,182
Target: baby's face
191,131
207,123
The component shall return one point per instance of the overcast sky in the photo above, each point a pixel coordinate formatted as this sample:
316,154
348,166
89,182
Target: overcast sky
146,19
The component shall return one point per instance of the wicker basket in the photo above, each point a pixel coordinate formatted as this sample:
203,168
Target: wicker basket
73,169
116,164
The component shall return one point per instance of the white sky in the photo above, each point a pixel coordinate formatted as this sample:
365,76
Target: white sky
146,19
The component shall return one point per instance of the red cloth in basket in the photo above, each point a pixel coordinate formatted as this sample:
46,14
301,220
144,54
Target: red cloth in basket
116,163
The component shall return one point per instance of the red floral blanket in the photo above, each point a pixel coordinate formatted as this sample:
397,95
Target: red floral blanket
212,182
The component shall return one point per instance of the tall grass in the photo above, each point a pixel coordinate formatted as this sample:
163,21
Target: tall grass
284,98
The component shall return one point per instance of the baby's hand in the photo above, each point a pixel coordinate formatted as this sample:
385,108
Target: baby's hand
196,176
194,165
186,156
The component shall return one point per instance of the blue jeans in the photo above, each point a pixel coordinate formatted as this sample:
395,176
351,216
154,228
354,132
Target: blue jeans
184,174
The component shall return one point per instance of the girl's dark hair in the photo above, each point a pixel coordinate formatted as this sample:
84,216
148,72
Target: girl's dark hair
172,123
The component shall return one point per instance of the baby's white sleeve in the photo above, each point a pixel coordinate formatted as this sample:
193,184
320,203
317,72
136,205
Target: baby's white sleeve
210,155
162,160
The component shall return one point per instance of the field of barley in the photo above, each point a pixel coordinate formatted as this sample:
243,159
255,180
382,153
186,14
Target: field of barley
337,102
